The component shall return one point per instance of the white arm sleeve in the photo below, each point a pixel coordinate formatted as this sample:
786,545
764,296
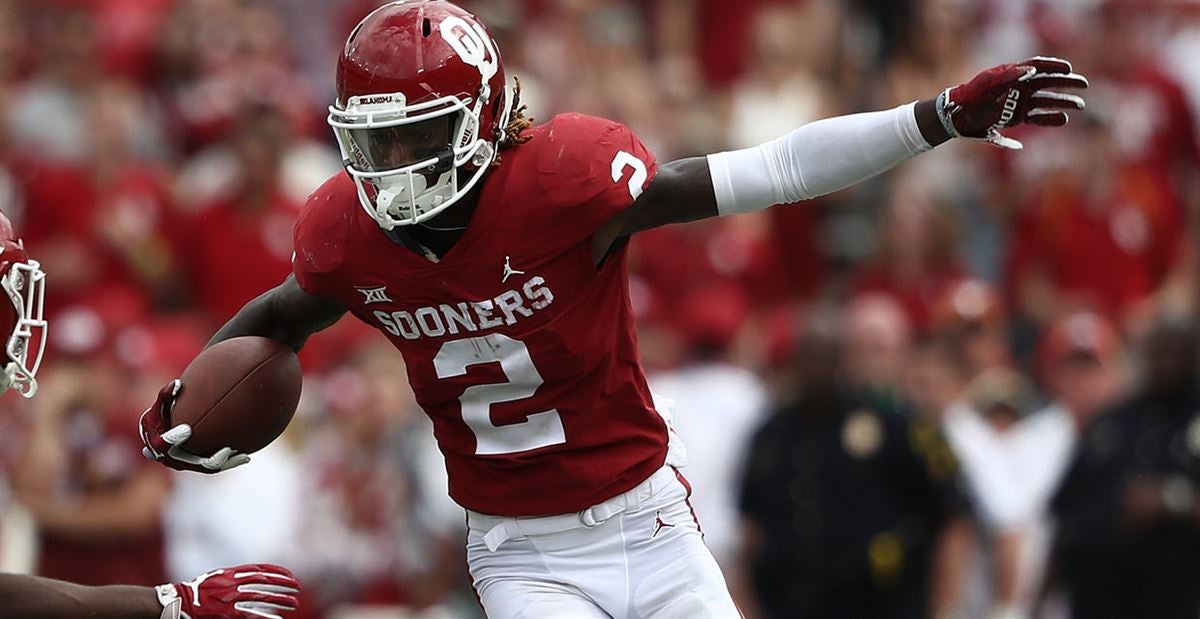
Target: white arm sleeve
816,159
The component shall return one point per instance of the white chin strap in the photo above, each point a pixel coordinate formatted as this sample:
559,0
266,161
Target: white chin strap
15,377
8,377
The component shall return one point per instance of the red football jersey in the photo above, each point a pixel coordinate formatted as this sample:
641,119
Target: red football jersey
521,351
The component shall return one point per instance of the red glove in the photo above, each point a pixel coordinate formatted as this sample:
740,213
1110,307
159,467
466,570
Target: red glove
163,442
245,592
1008,95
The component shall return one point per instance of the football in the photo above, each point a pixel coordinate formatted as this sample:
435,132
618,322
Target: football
239,393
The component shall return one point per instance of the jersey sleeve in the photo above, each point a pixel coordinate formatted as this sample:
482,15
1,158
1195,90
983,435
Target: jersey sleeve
322,232
589,170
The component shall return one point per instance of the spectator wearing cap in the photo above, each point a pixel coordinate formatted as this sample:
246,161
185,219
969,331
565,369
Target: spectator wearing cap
970,316
1128,522
849,511
1080,366
1080,362
982,425
1014,458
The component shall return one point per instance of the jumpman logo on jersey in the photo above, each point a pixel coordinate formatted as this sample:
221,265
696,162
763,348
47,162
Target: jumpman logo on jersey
659,525
509,271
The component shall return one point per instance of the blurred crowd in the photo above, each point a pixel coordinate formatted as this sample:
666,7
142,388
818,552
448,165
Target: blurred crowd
967,388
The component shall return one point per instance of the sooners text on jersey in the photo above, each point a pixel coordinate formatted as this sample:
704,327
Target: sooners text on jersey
521,351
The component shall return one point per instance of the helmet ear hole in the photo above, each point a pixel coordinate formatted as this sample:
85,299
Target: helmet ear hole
426,28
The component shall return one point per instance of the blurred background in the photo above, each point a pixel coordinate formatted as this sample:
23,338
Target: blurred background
966,388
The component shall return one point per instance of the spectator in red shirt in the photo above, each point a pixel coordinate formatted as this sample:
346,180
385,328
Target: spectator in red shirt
241,243
104,222
97,503
671,265
1149,115
674,261
217,58
1103,234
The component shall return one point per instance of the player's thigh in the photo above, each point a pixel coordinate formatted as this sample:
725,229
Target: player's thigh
528,599
515,582
676,574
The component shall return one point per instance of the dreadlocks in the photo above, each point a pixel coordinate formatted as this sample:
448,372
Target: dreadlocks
517,123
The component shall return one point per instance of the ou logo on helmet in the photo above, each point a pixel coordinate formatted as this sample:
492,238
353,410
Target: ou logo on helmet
472,44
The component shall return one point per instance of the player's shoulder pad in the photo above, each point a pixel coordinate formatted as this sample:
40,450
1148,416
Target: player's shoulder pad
322,232
576,153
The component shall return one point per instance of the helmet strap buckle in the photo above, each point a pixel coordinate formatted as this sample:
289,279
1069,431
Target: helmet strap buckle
483,155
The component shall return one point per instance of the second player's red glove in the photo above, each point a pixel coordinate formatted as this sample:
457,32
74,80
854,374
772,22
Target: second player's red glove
1008,95
258,591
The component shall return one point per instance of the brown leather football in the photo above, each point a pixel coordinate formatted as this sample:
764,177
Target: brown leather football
238,393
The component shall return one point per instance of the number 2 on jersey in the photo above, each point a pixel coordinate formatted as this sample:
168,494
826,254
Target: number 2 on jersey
538,430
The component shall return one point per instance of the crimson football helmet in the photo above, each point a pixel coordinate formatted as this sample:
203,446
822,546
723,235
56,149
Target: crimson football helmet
21,321
421,108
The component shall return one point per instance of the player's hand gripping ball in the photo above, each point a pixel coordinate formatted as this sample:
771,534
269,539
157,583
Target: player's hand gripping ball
1009,95
233,399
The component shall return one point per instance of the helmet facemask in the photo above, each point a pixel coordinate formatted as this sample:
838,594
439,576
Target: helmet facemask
25,285
411,162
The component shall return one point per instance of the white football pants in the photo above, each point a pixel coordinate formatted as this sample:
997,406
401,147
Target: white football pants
638,555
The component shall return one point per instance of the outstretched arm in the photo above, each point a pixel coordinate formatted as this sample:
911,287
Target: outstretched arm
43,598
244,592
835,153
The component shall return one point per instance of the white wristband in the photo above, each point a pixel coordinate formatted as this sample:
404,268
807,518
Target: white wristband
816,159
171,603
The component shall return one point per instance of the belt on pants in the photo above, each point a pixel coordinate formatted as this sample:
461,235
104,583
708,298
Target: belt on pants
499,529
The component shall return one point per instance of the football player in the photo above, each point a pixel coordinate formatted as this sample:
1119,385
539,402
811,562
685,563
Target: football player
243,592
492,253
